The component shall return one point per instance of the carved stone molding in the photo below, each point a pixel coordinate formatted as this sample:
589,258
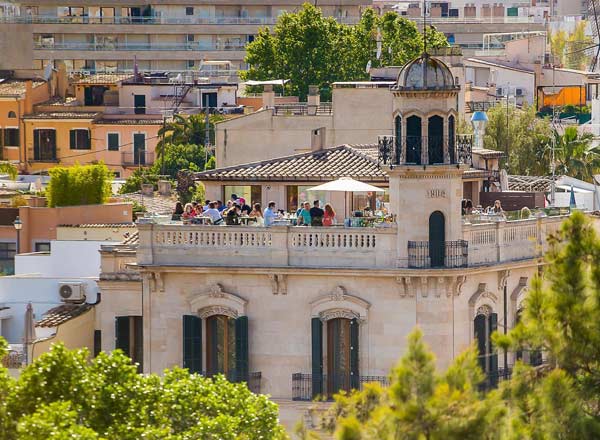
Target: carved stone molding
340,313
442,285
278,284
517,295
424,286
484,310
339,303
160,281
406,287
480,289
503,279
214,297
458,284
217,310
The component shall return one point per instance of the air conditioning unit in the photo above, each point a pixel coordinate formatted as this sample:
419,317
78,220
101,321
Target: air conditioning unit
519,92
71,291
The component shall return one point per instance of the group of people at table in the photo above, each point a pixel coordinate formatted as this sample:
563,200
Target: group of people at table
236,212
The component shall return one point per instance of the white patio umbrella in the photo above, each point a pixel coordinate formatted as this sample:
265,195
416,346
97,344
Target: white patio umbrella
346,185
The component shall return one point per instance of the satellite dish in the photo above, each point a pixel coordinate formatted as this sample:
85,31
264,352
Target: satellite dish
368,68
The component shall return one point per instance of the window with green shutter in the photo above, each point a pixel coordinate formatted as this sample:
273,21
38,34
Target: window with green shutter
317,356
129,337
80,139
192,343
241,348
113,141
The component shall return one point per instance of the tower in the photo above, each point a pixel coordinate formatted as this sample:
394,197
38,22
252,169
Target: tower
425,161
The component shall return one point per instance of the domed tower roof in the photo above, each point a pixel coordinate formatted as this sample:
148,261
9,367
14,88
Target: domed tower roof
425,73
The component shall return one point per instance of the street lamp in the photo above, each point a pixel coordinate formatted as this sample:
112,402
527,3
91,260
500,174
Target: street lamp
479,121
18,224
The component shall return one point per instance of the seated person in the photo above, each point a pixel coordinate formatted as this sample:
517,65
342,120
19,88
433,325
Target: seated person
213,213
233,215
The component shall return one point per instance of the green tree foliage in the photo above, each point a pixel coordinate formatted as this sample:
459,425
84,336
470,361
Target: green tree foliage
79,185
64,395
9,169
558,43
176,158
526,136
420,403
310,49
187,130
575,156
576,55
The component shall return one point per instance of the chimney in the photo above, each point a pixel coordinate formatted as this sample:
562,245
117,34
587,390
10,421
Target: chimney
314,99
147,189
268,96
164,188
63,81
28,97
317,139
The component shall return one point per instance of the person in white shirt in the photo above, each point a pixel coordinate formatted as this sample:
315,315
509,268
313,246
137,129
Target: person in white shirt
270,214
213,213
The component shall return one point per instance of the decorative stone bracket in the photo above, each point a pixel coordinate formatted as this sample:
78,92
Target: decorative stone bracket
446,285
278,283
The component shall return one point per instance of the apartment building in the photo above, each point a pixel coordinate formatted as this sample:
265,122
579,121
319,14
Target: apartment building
160,35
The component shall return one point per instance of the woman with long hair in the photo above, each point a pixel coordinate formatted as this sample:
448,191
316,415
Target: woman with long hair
329,216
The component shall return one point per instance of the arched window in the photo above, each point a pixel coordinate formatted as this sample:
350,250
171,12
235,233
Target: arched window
435,140
451,139
413,140
437,239
398,134
12,115
486,322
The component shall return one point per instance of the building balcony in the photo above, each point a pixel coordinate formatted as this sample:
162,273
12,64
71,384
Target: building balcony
425,150
303,109
139,46
158,20
306,387
488,243
141,158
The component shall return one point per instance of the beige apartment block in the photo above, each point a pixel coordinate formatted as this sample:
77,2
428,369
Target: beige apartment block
162,35
299,312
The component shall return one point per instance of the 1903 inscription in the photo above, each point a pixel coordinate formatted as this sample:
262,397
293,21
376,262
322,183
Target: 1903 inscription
436,193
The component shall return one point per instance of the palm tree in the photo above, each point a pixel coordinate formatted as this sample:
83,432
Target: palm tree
186,130
10,169
575,156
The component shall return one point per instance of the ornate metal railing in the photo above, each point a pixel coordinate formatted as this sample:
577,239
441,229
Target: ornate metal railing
306,387
430,254
253,380
428,150
303,109
129,158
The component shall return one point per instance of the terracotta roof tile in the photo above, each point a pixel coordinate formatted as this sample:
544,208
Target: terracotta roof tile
129,121
100,225
63,115
358,162
132,240
104,78
530,183
156,204
61,314
11,87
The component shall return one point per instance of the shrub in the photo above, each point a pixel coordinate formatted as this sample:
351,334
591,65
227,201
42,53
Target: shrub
79,185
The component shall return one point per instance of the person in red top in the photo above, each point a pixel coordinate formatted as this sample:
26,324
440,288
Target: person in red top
329,216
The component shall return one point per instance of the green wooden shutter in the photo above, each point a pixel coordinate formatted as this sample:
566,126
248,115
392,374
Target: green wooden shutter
481,340
493,323
97,342
212,364
138,342
317,356
192,343
241,348
354,358
72,139
122,334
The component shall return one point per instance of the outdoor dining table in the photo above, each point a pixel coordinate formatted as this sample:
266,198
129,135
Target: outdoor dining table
247,220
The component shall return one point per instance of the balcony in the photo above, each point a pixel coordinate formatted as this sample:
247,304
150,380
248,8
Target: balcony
306,387
99,46
446,254
418,150
141,158
162,20
303,109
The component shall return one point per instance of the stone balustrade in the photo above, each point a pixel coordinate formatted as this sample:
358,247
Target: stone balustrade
497,242
327,247
277,246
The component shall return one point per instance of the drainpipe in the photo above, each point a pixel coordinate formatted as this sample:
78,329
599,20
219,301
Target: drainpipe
505,327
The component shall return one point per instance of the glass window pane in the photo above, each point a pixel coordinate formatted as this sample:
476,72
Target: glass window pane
113,141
